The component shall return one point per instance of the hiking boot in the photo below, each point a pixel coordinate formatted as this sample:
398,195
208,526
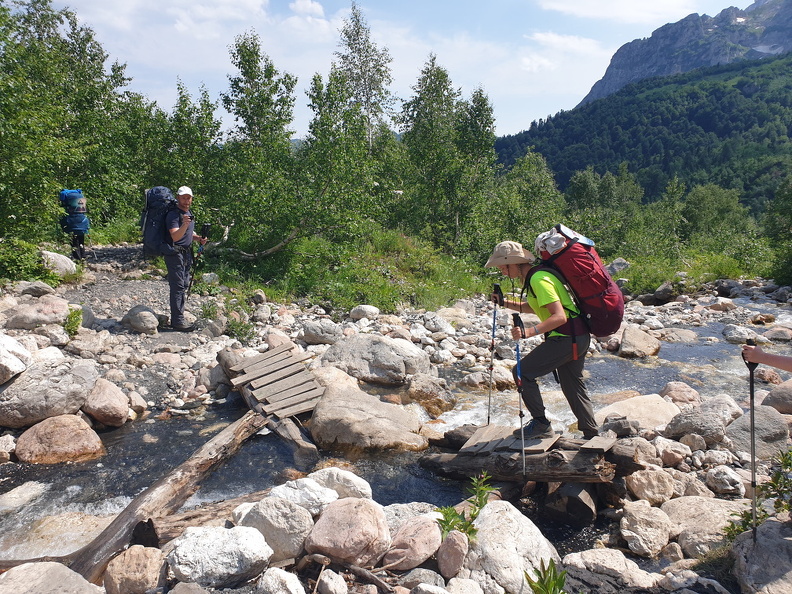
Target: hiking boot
536,429
183,328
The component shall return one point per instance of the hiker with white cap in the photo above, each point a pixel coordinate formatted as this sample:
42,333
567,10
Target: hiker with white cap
566,340
180,223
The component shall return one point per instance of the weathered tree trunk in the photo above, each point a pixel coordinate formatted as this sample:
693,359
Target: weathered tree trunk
573,503
554,466
166,528
163,497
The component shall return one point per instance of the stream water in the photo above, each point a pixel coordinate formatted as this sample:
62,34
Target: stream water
141,452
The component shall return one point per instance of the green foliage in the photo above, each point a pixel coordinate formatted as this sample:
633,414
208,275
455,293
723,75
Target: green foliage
548,579
725,125
777,489
454,520
20,260
73,321
209,310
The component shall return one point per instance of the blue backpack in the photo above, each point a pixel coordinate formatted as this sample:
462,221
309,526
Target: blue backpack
156,238
76,218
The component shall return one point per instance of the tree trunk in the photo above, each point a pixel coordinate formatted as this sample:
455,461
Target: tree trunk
164,497
554,466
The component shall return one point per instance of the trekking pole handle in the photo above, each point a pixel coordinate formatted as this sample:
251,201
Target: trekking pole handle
751,366
497,294
518,322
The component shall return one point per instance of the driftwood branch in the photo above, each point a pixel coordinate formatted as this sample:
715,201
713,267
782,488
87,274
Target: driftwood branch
164,497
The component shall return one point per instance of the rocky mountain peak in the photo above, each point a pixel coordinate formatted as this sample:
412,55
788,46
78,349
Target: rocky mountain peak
761,30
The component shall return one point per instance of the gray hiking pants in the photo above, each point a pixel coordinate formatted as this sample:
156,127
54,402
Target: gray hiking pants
178,265
556,353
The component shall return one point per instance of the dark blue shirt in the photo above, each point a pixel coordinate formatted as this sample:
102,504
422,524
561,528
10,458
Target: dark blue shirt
173,220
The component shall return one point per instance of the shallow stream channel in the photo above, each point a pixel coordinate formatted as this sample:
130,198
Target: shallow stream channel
139,453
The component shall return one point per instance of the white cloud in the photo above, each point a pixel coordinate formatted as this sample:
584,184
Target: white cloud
307,7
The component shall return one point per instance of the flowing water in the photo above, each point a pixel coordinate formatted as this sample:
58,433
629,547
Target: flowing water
139,453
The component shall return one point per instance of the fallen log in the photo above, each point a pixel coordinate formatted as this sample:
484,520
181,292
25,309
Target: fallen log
164,497
554,466
159,531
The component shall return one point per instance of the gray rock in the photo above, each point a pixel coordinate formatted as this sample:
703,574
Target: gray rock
771,432
46,390
376,359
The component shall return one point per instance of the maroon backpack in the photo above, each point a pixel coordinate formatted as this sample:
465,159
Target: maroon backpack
578,265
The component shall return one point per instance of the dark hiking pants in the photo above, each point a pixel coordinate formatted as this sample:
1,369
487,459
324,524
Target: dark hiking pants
178,265
556,353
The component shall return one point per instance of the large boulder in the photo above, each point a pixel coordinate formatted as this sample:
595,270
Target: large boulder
65,438
46,390
48,309
763,566
771,433
218,557
637,344
284,524
46,578
376,359
351,531
107,404
347,417
506,546
649,410
701,521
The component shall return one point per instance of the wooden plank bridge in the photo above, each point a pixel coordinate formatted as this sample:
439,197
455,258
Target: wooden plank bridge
276,383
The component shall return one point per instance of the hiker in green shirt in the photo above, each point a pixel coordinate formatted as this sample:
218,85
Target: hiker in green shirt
566,340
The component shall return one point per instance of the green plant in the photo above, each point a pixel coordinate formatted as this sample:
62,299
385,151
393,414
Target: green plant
454,520
778,489
20,260
209,310
548,579
73,321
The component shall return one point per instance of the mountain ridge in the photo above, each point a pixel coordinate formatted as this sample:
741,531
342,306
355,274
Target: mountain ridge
762,30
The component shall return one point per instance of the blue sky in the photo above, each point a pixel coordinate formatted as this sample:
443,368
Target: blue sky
533,58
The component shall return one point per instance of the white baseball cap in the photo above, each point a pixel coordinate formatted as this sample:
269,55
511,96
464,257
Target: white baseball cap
184,190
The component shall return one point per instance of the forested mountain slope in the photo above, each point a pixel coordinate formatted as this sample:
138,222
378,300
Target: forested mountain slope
698,41
726,125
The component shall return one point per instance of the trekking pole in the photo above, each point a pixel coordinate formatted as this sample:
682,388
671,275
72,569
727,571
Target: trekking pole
751,367
498,294
519,324
205,234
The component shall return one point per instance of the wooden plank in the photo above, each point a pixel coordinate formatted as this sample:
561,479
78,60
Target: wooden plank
274,407
599,444
504,434
276,361
298,408
287,393
275,364
290,381
278,375
540,446
481,438
262,357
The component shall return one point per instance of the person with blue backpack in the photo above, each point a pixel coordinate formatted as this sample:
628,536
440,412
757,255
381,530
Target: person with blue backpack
180,224
566,340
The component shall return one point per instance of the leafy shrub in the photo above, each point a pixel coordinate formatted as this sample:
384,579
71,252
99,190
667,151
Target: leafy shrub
73,321
778,489
20,260
548,579
454,520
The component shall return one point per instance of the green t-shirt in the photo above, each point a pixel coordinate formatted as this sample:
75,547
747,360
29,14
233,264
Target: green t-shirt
546,288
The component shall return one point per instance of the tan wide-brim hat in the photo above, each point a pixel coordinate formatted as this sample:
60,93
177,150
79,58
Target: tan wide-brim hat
509,252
